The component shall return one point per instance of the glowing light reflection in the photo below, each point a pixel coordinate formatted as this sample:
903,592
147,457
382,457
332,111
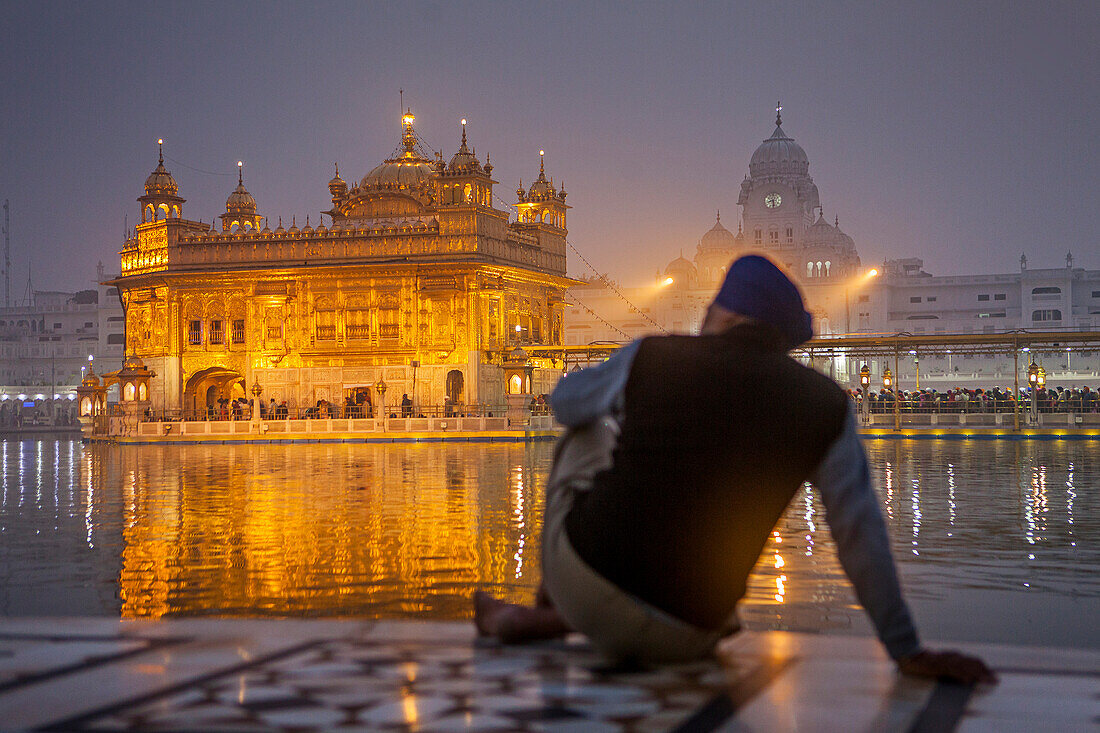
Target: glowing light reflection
521,524
917,516
950,497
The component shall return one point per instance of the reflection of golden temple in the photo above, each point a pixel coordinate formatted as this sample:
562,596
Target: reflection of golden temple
258,537
419,280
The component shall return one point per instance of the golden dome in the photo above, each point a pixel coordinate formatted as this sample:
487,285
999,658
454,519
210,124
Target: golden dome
407,169
240,202
464,161
160,181
90,380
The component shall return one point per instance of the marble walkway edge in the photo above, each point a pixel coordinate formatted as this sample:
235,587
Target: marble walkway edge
351,675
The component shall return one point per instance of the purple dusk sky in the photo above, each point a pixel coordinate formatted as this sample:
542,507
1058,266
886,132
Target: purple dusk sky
961,133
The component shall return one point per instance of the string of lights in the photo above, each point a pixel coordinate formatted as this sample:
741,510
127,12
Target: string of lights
599,318
197,170
614,289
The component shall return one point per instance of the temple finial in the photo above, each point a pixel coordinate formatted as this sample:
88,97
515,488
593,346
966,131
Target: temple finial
337,169
240,172
542,161
463,132
778,116
160,150
719,215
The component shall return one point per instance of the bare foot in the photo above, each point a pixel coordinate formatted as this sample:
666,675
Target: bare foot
487,611
513,624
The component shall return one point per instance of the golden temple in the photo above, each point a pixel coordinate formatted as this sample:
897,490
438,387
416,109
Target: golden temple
419,283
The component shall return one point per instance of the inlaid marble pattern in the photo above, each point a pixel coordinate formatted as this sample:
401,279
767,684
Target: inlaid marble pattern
26,658
320,675
408,685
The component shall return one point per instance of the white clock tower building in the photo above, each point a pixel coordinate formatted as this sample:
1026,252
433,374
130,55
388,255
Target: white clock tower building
778,196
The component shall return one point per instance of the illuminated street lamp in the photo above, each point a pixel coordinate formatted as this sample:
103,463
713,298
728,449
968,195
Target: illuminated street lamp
865,383
1033,381
256,391
888,379
380,387
916,367
869,275
1041,378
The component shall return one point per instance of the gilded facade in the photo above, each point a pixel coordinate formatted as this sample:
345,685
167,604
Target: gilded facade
419,280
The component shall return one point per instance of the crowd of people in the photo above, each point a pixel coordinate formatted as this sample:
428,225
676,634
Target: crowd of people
995,399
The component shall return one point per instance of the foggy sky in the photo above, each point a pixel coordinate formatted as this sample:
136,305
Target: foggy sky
962,133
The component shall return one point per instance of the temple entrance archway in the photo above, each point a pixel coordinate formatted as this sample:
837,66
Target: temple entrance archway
455,384
205,388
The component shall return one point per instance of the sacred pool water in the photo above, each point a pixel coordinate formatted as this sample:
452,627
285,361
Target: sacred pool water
996,540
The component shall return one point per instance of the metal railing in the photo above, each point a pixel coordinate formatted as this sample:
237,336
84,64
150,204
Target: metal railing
885,404
329,411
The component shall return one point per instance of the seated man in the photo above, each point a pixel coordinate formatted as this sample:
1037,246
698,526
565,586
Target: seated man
681,455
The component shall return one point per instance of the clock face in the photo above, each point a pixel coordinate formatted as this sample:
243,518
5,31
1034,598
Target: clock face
773,200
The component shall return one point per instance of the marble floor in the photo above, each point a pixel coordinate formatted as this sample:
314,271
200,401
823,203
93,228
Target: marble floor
307,675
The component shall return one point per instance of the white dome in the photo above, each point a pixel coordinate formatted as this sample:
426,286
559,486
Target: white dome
777,155
680,266
717,238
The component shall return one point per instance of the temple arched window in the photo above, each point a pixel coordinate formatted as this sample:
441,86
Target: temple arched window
828,265
142,392
468,193
515,384
809,269
149,214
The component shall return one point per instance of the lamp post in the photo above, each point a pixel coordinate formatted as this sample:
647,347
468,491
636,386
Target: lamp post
916,367
1033,384
256,391
865,384
380,387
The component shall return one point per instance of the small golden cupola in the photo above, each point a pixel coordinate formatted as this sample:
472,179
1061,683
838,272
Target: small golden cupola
464,181
542,203
338,187
240,208
161,199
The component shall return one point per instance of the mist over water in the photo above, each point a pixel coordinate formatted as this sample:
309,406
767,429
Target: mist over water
995,540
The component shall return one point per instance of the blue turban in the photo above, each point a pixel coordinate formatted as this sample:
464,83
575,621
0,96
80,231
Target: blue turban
756,288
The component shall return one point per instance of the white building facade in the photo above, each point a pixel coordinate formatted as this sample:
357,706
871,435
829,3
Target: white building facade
45,345
782,217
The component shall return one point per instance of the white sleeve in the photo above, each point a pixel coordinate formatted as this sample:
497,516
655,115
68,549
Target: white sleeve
851,509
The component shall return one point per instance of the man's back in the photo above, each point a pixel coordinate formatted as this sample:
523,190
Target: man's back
718,432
